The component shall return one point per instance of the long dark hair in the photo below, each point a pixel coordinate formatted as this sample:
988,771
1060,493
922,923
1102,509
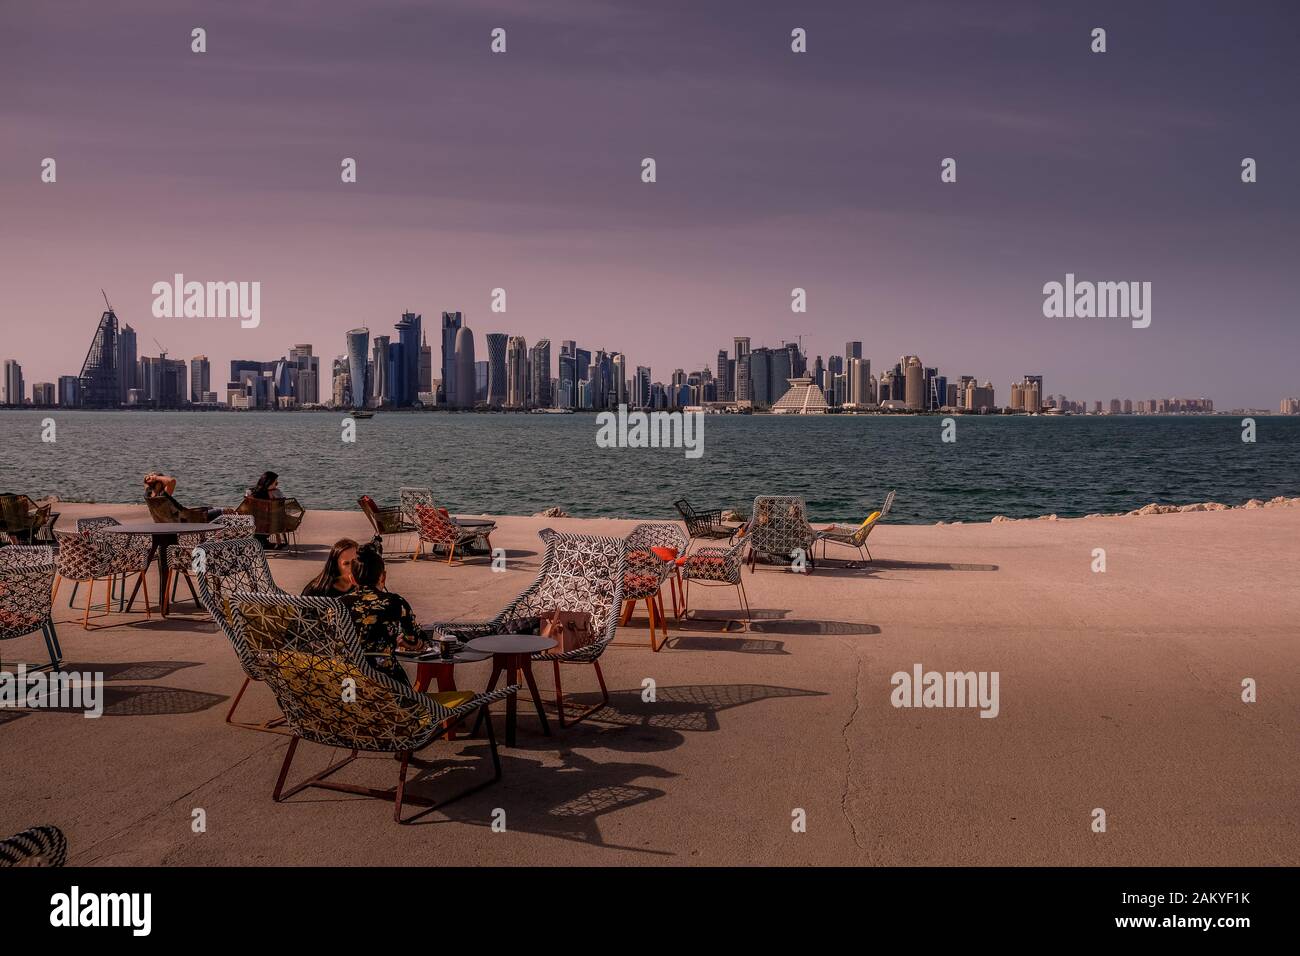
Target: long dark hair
263,486
368,566
324,582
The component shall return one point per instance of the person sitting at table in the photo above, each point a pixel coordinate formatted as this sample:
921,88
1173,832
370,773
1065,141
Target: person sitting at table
335,579
384,620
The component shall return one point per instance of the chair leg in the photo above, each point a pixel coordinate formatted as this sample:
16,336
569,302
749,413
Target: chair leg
73,596
744,601
559,697
401,786
627,613
284,769
650,613
90,595
145,581
238,697
54,594
52,645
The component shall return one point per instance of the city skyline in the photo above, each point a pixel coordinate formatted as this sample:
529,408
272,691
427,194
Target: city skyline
775,171
398,374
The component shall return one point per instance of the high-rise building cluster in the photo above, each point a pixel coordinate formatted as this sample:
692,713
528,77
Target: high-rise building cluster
397,370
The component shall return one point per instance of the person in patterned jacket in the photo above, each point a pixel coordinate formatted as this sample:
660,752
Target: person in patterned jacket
383,619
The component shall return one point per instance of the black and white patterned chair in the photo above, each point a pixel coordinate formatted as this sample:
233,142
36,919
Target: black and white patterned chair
39,846
130,554
717,566
579,572
27,598
310,656
230,566
779,529
180,556
85,559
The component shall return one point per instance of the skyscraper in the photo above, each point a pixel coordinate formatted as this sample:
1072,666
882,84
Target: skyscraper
451,323
358,344
914,377
539,370
516,372
307,379
128,369
408,334
379,389
13,383
69,391
568,380
852,350
426,363
464,393
496,357
101,386
200,378
742,388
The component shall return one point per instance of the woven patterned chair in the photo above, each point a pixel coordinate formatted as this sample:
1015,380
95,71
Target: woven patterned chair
39,846
87,558
579,573
130,553
717,566
21,518
855,536
779,528
274,517
165,509
436,529
703,525
311,657
230,566
27,598
180,556
409,498
385,521
652,550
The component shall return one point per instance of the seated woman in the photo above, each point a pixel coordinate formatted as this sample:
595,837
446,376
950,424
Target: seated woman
266,487
335,580
383,619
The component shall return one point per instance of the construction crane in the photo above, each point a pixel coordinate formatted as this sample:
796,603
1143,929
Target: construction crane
162,349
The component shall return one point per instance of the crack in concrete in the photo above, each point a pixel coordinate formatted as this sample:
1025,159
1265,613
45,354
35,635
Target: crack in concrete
85,858
848,768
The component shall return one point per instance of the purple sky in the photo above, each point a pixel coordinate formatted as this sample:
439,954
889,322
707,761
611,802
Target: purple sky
775,170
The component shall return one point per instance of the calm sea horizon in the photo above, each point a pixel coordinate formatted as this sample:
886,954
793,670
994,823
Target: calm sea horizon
843,465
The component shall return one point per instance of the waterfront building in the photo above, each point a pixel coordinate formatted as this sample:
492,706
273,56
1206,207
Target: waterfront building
516,372
101,386
451,323
801,397
378,392
43,394
480,381
357,344
426,363
200,378
743,366
128,368
13,391
409,337
497,379
462,396
539,370
914,379
162,381
69,391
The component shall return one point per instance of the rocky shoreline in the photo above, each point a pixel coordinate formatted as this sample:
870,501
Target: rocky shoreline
1157,509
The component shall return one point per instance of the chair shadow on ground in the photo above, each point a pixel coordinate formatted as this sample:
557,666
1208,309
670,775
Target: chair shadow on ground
762,621
144,700
567,801
129,670
886,565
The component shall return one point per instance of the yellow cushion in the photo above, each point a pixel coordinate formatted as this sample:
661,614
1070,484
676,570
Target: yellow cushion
870,518
451,699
